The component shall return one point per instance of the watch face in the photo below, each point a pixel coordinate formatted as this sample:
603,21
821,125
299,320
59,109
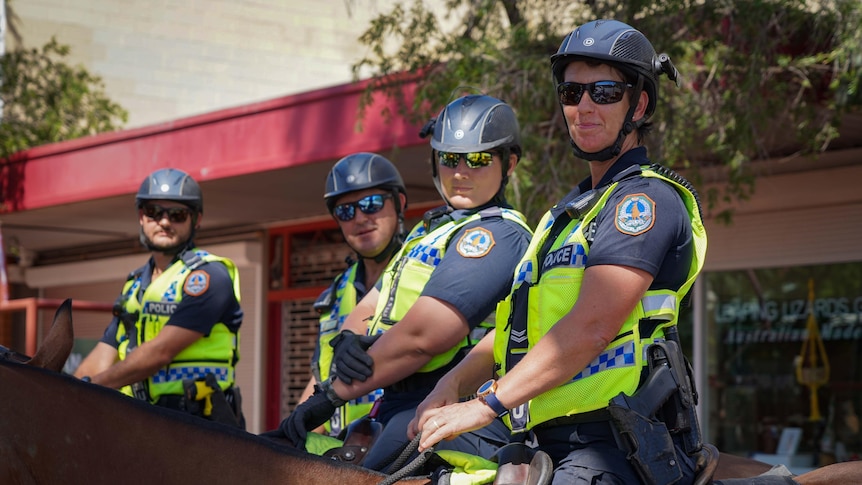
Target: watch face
486,388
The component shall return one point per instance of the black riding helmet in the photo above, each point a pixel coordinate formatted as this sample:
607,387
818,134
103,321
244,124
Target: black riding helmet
361,171
171,184
625,48
475,123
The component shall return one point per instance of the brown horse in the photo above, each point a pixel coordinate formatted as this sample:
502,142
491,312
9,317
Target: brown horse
55,428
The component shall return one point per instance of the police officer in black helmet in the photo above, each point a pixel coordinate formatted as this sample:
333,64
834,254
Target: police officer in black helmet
366,196
434,300
174,338
586,354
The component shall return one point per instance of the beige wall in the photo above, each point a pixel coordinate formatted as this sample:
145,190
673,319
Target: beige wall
166,59
800,218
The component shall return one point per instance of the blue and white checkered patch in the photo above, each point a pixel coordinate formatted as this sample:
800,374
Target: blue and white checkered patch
426,254
418,232
368,398
179,373
133,289
171,293
622,356
525,273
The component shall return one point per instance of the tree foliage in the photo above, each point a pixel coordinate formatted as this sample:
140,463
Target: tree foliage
45,100
761,78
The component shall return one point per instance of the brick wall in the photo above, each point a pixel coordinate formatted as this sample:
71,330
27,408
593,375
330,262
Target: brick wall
316,258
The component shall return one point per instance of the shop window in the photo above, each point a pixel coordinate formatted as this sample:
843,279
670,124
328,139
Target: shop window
762,385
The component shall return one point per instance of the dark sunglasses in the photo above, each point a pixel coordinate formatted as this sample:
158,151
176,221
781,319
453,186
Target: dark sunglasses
472,159
157,212
370,204
601,92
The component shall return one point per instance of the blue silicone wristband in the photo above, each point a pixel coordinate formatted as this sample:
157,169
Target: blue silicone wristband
495,404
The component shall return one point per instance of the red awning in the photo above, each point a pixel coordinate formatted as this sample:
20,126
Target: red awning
269,135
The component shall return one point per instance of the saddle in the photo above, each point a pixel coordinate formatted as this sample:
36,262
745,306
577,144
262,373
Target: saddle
518,464
707,463
359,437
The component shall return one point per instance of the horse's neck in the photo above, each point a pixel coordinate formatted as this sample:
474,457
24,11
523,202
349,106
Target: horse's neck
82,433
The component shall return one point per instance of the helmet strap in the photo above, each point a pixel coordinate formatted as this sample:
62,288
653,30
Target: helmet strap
435,176
388,251
397,238
500,197
628,127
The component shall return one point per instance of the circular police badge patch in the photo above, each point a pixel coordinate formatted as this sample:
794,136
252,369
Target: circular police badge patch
197,283
635,214
475,243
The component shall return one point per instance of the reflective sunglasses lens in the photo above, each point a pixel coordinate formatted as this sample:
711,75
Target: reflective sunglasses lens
607,92
448,159
570,93
175,214
344,212
370,204
178,215
601,92
473,159
479,159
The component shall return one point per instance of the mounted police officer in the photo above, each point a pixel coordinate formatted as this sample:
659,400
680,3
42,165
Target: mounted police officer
366,196
174,337
432,300
585,348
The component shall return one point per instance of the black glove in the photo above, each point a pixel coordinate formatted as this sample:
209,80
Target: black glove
313,412
350,359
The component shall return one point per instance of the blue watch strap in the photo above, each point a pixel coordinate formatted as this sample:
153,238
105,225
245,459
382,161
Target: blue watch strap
491,400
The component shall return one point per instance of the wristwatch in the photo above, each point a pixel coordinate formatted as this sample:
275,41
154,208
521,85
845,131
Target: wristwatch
486,393
326,387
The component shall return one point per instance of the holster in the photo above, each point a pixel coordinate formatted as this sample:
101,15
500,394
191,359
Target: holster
663,406
204,397
647,444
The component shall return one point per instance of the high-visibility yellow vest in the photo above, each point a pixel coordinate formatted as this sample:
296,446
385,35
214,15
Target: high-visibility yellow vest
341,299
551,295
411,269
216,353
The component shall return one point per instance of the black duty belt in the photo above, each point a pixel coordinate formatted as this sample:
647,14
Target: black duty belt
561,429
178,402
599,415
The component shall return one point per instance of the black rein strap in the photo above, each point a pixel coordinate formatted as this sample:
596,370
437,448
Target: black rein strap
9,354
407,470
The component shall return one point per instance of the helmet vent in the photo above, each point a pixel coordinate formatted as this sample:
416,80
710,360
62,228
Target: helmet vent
634,47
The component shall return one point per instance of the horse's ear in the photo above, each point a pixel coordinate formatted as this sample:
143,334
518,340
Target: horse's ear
55,349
